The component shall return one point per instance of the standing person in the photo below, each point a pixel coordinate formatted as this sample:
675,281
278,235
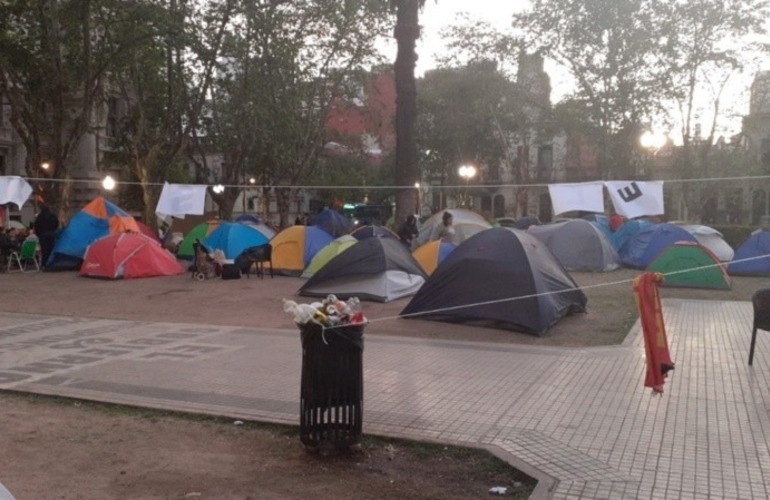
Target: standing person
447,233
408,231
46,225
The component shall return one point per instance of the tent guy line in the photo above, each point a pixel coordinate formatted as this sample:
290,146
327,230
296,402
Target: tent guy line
534,295
425,187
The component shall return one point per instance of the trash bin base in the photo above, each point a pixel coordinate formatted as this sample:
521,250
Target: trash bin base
339,426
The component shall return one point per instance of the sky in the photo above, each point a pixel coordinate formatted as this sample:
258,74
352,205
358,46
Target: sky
439,14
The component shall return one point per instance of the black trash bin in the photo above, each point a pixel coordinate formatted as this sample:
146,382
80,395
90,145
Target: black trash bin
332,392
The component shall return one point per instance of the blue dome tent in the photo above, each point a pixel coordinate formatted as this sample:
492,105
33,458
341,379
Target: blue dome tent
233,238
642,248
332,222
757,248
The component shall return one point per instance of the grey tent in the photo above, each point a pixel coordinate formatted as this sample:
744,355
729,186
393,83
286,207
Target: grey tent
466,223
578,245
501,277
378,269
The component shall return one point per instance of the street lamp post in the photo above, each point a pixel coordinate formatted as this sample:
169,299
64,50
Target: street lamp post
247,191
417,195
466,172
40,187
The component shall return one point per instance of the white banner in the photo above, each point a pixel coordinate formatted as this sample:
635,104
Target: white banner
178,200
14,189
636,198
587,196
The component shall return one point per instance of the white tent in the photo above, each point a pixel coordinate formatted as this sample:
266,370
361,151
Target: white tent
465,222
711,239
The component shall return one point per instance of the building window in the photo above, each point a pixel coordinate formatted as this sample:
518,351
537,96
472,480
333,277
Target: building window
499,206
112,117
486,204
764,154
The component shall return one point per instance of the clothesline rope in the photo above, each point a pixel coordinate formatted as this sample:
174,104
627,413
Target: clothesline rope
426,187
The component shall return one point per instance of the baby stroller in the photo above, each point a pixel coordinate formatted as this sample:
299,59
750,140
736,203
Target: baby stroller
204,266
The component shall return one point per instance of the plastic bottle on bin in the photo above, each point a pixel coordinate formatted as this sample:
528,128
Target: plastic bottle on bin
356,314
303,313
331,312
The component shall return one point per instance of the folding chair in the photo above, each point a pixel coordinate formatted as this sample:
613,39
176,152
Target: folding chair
26,254
761,302
255,257
264,254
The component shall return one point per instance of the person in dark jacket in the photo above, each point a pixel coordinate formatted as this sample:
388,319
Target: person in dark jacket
45,227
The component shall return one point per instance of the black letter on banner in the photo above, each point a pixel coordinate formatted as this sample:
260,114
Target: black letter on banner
630,193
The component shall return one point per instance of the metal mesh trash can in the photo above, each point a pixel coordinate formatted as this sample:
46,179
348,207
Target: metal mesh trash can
332,392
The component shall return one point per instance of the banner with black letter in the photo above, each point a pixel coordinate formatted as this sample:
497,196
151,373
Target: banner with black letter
636,198
585,196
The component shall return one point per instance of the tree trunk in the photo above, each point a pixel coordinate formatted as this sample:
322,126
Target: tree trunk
406,33
226,202
283,200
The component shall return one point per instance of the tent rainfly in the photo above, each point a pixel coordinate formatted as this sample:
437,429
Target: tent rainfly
377,269
502,277
690,265
579,245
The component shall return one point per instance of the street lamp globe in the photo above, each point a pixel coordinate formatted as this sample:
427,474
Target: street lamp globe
467,172
108,183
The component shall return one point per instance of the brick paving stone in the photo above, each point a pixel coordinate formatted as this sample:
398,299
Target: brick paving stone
579,416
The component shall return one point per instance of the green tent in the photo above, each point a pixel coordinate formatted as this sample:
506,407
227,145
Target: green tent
687,264
327,253
198,232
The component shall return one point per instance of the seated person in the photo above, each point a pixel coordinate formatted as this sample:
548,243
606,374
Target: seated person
8,243
31,236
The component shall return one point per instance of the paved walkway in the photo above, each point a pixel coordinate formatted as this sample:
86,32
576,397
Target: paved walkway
578,418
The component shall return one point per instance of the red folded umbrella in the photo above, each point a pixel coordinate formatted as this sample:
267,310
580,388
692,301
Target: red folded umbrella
655,342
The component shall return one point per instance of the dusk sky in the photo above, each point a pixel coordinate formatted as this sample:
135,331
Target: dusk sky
442,13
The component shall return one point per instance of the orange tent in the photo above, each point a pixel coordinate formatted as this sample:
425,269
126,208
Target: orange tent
97,219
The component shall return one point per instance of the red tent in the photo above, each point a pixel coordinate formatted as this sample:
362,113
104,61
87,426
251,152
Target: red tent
128,255
147,231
